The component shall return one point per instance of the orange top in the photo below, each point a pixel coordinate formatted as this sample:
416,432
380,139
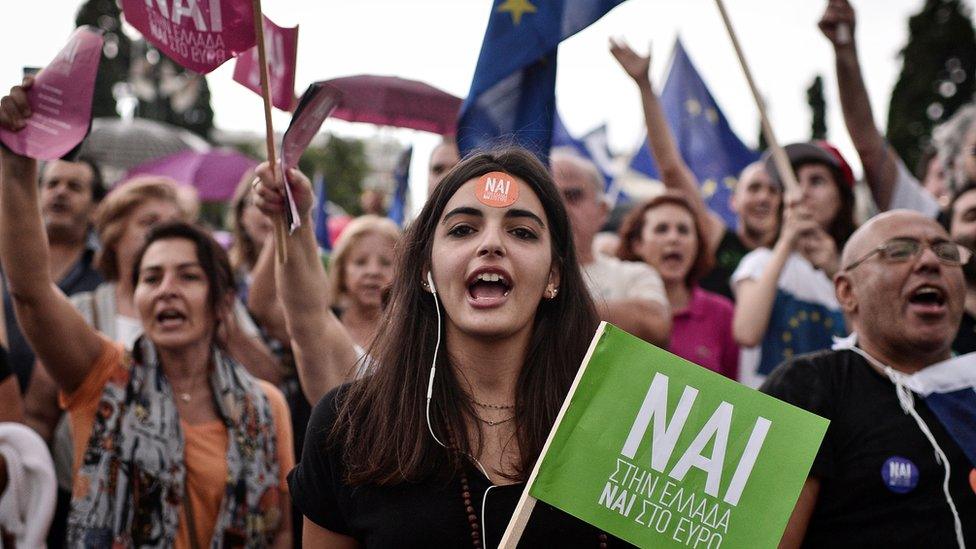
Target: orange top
205,445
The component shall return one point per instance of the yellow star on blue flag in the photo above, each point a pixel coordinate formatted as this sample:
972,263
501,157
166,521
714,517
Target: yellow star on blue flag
517,8
512,97
703,136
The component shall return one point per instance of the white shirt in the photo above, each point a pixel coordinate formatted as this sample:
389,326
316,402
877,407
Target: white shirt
610,279
908,194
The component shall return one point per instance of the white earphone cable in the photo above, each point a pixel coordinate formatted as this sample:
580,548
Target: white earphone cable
907,401
430,393
433,363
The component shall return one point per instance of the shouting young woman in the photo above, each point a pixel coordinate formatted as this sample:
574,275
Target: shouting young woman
488,321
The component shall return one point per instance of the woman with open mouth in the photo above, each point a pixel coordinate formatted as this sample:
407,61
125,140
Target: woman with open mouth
487,324
666,234
176,445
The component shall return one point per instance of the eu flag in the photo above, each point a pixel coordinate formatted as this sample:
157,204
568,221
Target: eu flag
589,147
706,142
401,173
512,97
322,213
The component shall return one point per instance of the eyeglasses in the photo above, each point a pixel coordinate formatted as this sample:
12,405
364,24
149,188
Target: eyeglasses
898,250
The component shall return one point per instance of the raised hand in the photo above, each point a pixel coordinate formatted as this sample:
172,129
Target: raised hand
634,64
14,108
798,222
837,23
269,191
820,250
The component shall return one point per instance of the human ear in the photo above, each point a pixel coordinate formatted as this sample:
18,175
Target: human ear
427,283
846,295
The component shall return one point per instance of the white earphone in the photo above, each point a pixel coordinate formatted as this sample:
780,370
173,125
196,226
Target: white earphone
433,363
430,392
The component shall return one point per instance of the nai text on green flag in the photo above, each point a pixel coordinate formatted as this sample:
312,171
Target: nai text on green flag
663,453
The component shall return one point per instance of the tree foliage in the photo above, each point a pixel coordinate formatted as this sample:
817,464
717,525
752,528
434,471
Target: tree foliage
165,91
818,109
114,66
344,165
938,75
341,161
168,92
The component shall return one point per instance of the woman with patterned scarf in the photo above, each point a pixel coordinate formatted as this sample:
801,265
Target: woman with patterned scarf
176,445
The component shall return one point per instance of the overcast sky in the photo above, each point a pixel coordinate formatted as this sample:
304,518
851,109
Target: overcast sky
438,41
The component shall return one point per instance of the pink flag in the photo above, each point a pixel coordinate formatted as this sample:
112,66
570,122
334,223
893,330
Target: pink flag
198,34
317,103
282,51
60,100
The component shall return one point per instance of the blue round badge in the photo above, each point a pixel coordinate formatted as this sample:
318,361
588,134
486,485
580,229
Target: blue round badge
900,475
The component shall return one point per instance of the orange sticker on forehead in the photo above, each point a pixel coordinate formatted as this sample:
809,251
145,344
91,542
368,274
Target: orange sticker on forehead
497,189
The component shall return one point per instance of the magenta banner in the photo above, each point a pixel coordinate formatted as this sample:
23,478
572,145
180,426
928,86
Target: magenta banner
281,48
198,34
317,103
60,100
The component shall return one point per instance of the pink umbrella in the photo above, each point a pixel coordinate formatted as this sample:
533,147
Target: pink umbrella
215,174
398,102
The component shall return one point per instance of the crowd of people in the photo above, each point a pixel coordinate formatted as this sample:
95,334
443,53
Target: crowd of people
192,396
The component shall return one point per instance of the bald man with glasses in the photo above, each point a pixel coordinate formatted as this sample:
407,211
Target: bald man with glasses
876,481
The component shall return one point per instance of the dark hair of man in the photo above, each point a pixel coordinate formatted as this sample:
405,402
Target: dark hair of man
381,421
633,227
212,258
969,185
98,190
843,225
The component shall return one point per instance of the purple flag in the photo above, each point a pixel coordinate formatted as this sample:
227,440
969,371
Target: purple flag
316,104
61,100
198,34
282,52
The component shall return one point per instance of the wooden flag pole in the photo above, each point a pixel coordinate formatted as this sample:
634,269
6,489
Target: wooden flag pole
526,503
281,245
783,166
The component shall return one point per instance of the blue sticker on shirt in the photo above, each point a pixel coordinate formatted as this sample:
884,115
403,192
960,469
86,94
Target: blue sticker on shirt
900,475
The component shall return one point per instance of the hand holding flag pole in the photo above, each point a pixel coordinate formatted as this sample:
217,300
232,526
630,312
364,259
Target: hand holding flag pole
783,166
281,246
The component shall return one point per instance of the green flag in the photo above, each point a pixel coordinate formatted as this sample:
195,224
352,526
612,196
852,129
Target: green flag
663,453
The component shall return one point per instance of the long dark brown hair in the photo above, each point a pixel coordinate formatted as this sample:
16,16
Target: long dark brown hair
382,425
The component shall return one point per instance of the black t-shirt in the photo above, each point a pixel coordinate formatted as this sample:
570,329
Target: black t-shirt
730,252
424,514
880,485
965,341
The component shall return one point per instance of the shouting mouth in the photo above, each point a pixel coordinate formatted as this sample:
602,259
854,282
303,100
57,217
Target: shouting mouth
488,288
928,300
170,319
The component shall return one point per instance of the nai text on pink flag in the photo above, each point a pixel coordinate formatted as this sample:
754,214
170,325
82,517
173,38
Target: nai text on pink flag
282,53
61,100
198,34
